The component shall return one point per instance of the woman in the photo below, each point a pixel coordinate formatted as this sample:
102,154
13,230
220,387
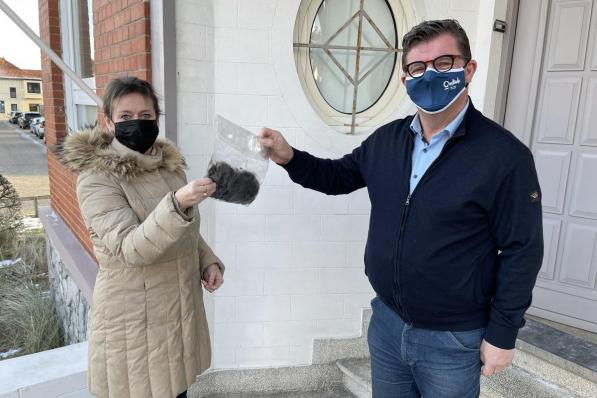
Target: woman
148,335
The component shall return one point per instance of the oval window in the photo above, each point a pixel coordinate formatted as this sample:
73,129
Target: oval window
352,52
348,60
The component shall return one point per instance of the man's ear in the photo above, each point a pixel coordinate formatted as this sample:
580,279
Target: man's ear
469,71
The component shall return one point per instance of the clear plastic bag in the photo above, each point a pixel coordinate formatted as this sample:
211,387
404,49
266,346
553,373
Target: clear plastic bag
238,164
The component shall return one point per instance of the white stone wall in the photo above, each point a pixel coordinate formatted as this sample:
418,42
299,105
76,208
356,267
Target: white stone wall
72,307
295,257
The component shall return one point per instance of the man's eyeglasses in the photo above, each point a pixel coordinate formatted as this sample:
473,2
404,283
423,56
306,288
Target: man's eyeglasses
443,63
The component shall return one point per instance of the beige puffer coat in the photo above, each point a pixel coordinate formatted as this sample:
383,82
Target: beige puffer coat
148,334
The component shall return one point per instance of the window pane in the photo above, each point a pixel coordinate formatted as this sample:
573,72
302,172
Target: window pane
330,79
13,92
13,107
34,88
334,29
86,115
375,84
84,18
332,15
2,108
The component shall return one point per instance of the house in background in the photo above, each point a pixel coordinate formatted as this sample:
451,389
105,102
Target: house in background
294,258
20,89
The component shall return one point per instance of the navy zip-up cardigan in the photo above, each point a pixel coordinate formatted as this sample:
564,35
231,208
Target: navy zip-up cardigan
463,250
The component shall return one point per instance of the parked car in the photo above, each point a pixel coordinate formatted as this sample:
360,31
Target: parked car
26,118
14,117
41,130
34,125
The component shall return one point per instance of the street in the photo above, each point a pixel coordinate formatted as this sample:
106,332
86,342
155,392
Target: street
23,161
21,153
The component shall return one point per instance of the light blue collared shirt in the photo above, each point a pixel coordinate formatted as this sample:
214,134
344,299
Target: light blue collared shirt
424,153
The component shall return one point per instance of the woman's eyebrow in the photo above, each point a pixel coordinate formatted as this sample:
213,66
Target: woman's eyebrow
141,111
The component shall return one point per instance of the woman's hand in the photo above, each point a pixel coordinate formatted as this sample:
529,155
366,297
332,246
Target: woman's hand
195,192
212,278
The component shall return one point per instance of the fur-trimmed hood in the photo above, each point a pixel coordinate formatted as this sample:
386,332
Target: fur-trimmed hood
94,150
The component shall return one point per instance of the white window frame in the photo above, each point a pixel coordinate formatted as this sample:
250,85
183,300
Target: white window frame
73,95
384,106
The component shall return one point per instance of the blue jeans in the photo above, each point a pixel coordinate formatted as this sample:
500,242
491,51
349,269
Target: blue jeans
409,362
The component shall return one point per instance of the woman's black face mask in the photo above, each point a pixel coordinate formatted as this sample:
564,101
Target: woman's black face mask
137,134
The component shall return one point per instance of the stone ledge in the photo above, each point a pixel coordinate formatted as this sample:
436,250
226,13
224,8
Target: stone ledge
46,374
81,266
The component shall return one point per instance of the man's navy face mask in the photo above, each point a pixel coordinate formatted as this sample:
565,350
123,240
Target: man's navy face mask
137,134
435,91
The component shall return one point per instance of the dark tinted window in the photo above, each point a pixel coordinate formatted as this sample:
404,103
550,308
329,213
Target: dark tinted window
34,88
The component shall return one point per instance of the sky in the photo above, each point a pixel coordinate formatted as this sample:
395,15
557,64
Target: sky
15,45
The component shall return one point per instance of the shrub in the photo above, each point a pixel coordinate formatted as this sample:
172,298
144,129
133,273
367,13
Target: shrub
10,215
28,320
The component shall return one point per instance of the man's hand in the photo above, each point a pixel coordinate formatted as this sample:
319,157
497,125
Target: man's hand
212,278
494,359
279,149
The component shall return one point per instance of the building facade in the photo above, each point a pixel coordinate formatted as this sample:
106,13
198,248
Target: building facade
295,257
20,89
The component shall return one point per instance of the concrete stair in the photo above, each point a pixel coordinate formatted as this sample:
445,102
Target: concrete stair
512,383
548,364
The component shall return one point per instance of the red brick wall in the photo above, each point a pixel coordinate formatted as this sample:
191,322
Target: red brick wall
122,47
122,40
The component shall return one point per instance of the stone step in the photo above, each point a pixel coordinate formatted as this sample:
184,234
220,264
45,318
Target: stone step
558,357
514,382
335,392
356,376
517,382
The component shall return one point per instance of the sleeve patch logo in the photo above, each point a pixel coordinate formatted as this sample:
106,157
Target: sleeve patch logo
535,197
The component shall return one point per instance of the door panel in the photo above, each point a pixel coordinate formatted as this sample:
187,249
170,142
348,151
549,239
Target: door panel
580,255
584,190
552,168
551,237
588,116
558,108
567,41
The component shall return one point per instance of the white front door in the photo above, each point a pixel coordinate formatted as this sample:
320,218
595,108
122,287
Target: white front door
552,106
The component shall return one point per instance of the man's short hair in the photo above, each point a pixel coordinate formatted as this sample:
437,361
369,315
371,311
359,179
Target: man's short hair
428,30
121,86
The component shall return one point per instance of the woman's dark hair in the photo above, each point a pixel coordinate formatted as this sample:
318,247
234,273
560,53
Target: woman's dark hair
428,30
122,86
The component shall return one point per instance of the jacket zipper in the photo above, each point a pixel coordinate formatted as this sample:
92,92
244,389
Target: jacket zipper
396,285
397,262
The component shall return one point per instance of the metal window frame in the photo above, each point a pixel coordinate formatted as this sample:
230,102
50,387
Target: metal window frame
356,81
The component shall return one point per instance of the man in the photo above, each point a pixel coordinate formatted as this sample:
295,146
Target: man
455,237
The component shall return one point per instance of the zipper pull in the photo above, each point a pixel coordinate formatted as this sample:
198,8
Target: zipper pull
408,200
